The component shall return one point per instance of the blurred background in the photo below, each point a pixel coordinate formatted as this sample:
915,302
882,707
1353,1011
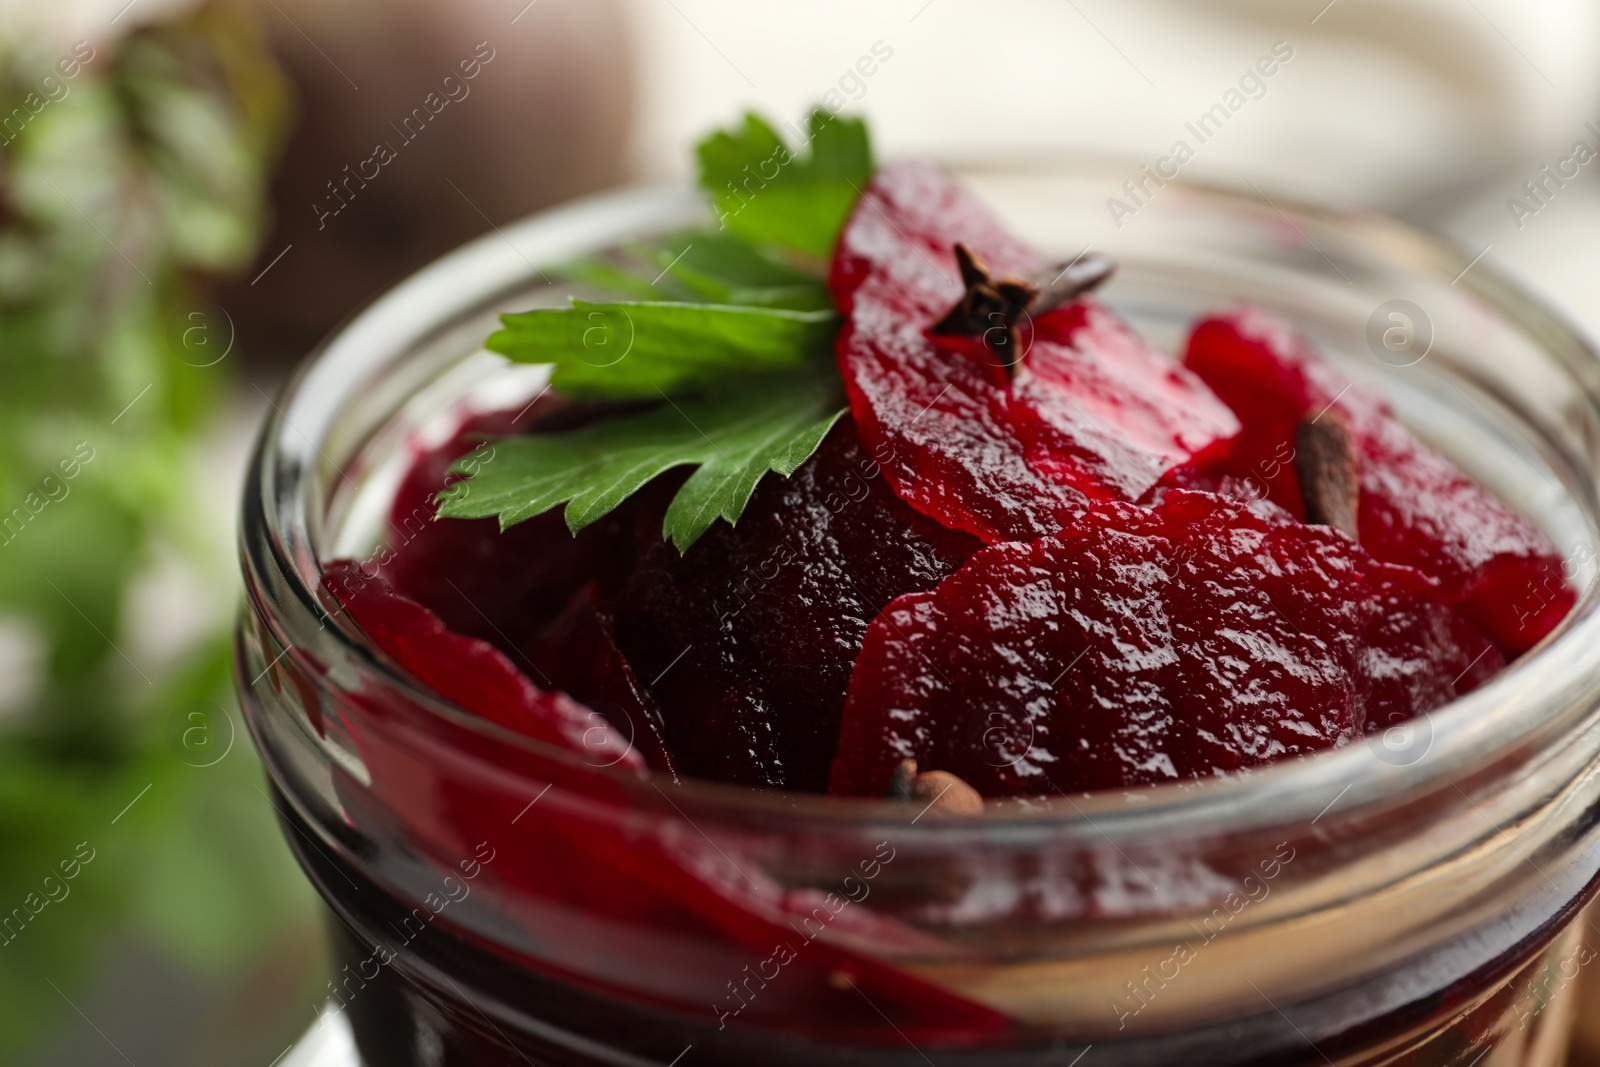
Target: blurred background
192,194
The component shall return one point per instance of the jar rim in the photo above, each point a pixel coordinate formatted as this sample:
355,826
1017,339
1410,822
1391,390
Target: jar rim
1525,708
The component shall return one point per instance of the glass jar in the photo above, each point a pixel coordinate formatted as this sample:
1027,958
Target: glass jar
1415,899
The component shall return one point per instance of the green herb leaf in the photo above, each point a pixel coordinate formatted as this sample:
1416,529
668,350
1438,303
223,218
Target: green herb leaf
697,267
765,193
747,379
630,351
725,270
734,436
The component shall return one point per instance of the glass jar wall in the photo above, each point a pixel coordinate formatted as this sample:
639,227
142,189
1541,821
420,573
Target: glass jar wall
1413,899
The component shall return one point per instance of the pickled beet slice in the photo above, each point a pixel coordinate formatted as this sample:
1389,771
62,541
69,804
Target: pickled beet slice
943,426
503,587
1093,411
578,654
467,671
748,639
1143,645
1416,508
1101,410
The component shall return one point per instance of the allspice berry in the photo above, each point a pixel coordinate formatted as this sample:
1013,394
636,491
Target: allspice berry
945,794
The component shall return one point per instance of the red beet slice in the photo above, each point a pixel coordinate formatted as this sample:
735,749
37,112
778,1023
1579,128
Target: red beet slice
942,425
1093,410
578,653
1416,507
1101,410
1146,645
467,671
747,640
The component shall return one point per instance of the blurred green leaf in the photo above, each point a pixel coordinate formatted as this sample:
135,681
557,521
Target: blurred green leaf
769,192
720,269
118,201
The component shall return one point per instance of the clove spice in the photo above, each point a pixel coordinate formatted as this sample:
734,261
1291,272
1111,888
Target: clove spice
993,308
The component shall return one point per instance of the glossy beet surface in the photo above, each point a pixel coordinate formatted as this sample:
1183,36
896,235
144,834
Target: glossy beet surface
1101,410
748,639
1144,645
1093,411
1416,507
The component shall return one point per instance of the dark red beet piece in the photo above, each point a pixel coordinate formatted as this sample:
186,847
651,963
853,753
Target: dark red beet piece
1416,507
747,641
1093,410
1146,645
503,587
944,428
578,653
466,671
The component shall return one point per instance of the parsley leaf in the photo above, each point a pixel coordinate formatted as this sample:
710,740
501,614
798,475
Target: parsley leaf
629,351
733,437
765,193
725,270
698,267
728,330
